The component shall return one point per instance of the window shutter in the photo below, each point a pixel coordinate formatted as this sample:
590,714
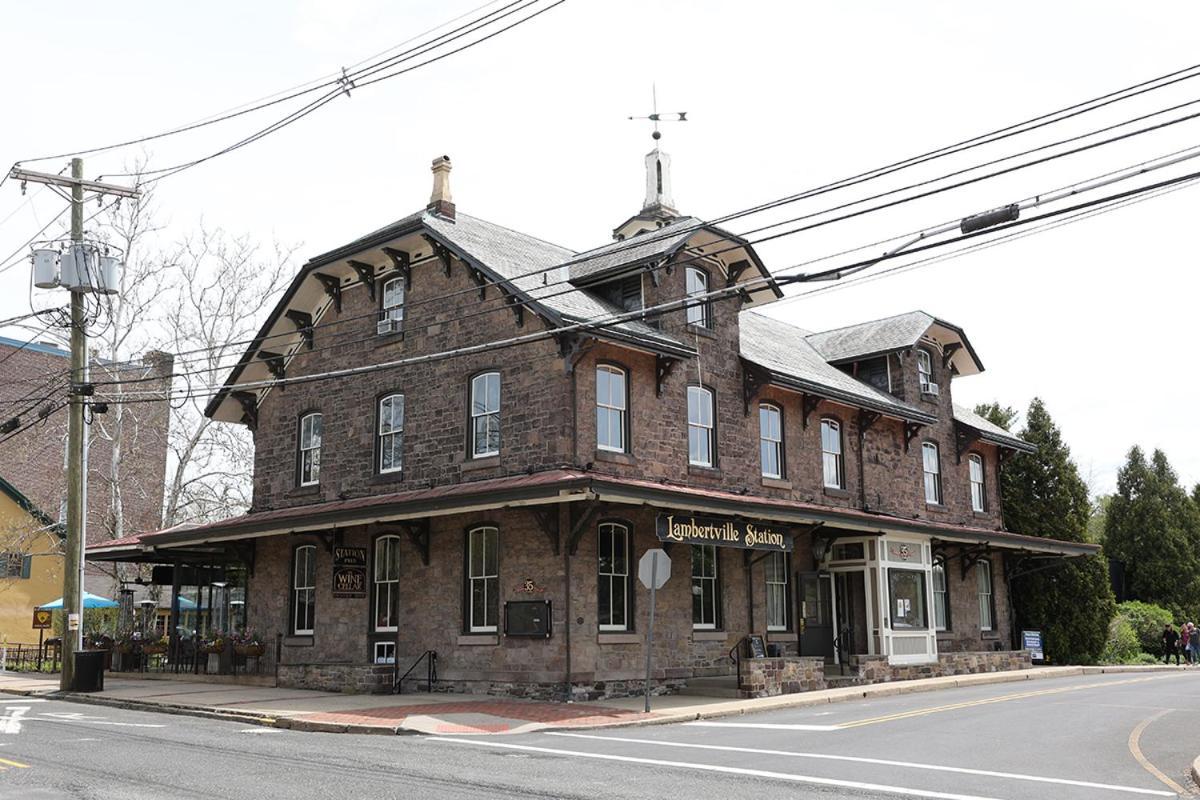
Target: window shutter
26,564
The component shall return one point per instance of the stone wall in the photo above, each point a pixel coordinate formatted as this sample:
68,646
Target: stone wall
876,669
963,633
349,678
767,677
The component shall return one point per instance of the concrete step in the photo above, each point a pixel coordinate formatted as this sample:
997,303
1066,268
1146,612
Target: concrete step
716,686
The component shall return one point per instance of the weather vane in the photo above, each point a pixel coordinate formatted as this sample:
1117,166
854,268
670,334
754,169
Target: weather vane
655,117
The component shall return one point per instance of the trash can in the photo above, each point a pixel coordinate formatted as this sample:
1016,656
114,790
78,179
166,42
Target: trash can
89,671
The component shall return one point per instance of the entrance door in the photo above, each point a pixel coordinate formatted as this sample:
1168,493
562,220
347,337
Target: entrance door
850,613
815,598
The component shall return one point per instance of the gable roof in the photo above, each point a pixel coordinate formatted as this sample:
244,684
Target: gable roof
785,351
890,334
989,431
18,497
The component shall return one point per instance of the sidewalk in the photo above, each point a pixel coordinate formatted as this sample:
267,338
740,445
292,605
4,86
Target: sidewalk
306,710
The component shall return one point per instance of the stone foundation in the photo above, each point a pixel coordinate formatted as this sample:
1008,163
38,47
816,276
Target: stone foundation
876,669
767,677
348,678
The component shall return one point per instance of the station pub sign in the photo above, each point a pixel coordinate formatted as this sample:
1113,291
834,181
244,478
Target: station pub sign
723,532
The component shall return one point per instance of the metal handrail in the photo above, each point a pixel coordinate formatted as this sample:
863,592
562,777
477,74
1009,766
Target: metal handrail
735,655
430,657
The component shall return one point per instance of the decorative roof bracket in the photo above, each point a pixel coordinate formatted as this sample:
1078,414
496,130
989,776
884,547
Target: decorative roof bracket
808,404
441,251
333,288
249,403
304,324
911,429
274,362
402,263
662,370
366,274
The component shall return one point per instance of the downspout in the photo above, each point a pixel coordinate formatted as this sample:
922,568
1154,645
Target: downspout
862,473
564,526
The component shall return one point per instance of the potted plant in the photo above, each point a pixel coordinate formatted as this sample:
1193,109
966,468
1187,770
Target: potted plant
154,643
247,642
215,643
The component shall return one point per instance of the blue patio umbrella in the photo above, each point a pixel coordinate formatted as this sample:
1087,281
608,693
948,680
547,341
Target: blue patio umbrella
89,601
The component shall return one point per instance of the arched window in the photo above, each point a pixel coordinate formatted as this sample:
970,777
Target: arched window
925,372
610,408
701,443
978,488
932,466
483,579
391,433
697,286
770,440
613,574
304,589
941,608
386,600
310,449
831,454
987,611
391,307
485,415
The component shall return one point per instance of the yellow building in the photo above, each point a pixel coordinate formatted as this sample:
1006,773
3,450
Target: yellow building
31,563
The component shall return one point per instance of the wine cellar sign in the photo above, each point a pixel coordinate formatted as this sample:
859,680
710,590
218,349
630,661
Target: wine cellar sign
349,571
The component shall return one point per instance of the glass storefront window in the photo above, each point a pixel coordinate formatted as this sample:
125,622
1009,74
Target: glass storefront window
906,593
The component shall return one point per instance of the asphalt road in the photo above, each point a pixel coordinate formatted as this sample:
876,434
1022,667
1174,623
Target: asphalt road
1088,737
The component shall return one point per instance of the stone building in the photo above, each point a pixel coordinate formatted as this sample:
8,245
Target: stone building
467,437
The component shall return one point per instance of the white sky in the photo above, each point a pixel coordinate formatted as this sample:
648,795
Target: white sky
1097,317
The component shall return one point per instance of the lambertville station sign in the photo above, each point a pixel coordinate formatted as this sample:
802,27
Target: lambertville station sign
723,531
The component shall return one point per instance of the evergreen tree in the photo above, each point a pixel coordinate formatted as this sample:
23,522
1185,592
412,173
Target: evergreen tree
1004,416
1042,495
1154,528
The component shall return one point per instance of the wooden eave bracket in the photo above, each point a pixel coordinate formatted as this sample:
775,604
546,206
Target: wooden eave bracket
968,557
480,280
808,404
911,429
515,303
735,272
249,403
662,370
333,288
274,362
441,251
948,353
366,275
418,534
402,263
547,521
652,270
753,379
304,324
964,438
571,347
866,419
581,521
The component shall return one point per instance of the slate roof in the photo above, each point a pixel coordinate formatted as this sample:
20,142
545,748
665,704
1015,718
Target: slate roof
649,246
989,431
873,337
785,350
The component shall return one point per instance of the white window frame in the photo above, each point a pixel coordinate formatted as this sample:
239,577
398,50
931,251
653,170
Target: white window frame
941,596
304,588
386,582
924,368
490,416
775,568
696,281
931,467
311,427
391,306
831,454
611,406
385,652
770,439
983,577
700,430
477,573
390,434
978,483
706,586
608,532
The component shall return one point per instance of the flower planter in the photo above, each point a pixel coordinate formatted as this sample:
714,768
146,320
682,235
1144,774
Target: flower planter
250,650
154,649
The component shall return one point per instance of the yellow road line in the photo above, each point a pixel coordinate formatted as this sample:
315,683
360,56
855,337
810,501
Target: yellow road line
14,763
920,712
1134,736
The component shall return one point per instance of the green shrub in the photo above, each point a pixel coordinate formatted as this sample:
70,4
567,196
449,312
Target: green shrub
1122,645
1144,658
1148,621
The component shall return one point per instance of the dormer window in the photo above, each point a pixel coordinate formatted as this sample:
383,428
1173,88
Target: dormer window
925,372
700,313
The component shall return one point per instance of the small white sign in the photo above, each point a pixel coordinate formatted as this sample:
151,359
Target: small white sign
72,622
662,570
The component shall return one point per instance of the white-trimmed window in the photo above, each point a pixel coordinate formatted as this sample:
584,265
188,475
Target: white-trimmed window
391,433
700,427
483,579
978,489
385,652
983,574
924,369
387,583
777,591
697,286
391,308
485,415
831,454
770,440
614,576
705,600
310,449
610,408
304,589
933,473
941,611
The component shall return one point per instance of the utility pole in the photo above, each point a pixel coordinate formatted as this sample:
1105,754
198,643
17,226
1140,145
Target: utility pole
87,274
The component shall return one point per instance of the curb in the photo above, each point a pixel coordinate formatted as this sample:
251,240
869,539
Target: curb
732,708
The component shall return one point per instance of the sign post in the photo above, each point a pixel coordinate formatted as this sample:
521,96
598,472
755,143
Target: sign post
654,570
41,622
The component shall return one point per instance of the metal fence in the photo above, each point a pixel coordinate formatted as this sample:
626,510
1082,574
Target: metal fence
21,657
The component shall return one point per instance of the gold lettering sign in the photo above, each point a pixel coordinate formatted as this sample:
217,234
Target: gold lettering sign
349,571
723,531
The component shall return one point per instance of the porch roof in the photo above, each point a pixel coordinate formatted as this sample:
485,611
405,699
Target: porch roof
548,487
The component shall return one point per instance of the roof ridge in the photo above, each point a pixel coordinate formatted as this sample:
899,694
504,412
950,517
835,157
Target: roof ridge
473,218
870,321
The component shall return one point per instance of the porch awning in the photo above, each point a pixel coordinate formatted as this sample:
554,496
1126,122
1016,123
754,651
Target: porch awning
549,487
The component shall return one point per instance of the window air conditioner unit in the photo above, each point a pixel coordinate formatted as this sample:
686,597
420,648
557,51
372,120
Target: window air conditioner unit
388,325
930,388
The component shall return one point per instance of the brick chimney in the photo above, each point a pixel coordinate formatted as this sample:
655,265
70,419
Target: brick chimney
441,202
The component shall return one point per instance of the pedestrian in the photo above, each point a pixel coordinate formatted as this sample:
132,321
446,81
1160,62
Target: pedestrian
1194,642
1170,642
1185,642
